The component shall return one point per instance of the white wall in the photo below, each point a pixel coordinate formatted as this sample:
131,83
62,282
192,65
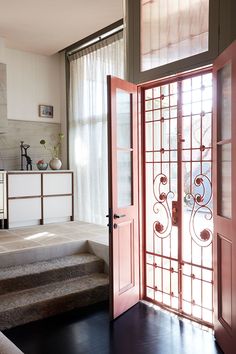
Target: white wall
33,79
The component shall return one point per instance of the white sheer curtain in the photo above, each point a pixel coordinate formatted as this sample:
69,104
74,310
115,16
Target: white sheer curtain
88,124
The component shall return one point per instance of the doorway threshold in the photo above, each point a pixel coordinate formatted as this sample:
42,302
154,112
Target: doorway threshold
183,318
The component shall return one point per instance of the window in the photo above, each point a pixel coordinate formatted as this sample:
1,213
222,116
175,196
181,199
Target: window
88,124
172,30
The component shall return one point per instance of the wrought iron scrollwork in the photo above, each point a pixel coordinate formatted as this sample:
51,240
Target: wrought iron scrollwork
162,228
200,202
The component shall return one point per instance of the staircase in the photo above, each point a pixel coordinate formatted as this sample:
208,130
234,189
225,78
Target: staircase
33,291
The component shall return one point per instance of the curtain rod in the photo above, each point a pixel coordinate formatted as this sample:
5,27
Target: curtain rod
95,41
94,38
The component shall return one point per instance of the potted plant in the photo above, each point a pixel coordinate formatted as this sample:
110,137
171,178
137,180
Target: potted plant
55,163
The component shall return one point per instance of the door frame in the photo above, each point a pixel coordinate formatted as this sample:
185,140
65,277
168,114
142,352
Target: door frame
142,174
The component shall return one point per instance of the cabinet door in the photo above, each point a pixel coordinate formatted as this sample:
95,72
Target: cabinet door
24,185
57,183
24,212
56,209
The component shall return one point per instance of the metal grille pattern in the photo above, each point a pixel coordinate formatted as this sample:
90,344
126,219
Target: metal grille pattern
178,159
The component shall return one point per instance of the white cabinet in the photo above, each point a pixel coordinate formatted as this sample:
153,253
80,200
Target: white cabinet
39,197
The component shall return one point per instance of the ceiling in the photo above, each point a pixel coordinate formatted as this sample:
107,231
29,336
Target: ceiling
47,26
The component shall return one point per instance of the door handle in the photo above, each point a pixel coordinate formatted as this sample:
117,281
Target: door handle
116,216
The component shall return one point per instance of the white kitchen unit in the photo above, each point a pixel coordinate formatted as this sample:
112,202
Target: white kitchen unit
39,197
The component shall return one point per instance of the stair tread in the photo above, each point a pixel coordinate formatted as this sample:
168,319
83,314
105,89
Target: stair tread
43,266
51,291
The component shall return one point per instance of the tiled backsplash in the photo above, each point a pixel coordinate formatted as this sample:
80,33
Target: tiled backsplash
31,133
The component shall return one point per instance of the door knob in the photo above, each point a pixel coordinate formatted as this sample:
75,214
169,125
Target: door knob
116,216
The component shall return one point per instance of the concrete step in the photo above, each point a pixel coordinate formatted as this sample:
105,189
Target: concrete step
7,347
24,306
21,277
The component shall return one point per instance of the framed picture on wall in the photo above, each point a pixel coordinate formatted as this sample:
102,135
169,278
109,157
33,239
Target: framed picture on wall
45,111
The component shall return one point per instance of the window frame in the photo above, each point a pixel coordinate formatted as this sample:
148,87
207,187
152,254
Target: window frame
133,12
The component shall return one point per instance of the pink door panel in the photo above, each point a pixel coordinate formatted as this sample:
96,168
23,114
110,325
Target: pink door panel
224,71
123,195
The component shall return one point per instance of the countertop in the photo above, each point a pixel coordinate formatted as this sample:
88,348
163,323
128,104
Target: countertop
36,171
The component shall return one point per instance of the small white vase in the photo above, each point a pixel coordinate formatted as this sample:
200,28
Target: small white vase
55,163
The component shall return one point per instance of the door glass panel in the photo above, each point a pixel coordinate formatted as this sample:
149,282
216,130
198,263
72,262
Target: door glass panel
124,178
123,114
224,110
224,180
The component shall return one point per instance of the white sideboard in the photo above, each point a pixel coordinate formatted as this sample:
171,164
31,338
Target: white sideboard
39,197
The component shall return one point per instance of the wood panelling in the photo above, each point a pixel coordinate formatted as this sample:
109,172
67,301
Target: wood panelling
126,252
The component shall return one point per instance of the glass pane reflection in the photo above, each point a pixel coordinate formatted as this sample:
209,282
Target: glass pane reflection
225,101
224,184
124,178
123,114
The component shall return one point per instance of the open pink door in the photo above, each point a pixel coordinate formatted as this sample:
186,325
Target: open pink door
224,187
123,195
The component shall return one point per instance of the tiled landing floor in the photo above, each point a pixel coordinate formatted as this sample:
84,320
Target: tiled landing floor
51,234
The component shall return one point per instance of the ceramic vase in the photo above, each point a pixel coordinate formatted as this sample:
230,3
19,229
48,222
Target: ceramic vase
42,166
55,163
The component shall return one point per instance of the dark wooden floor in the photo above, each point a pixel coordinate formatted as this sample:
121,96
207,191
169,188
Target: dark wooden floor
141,330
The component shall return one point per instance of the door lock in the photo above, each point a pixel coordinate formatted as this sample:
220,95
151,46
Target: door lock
174,213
